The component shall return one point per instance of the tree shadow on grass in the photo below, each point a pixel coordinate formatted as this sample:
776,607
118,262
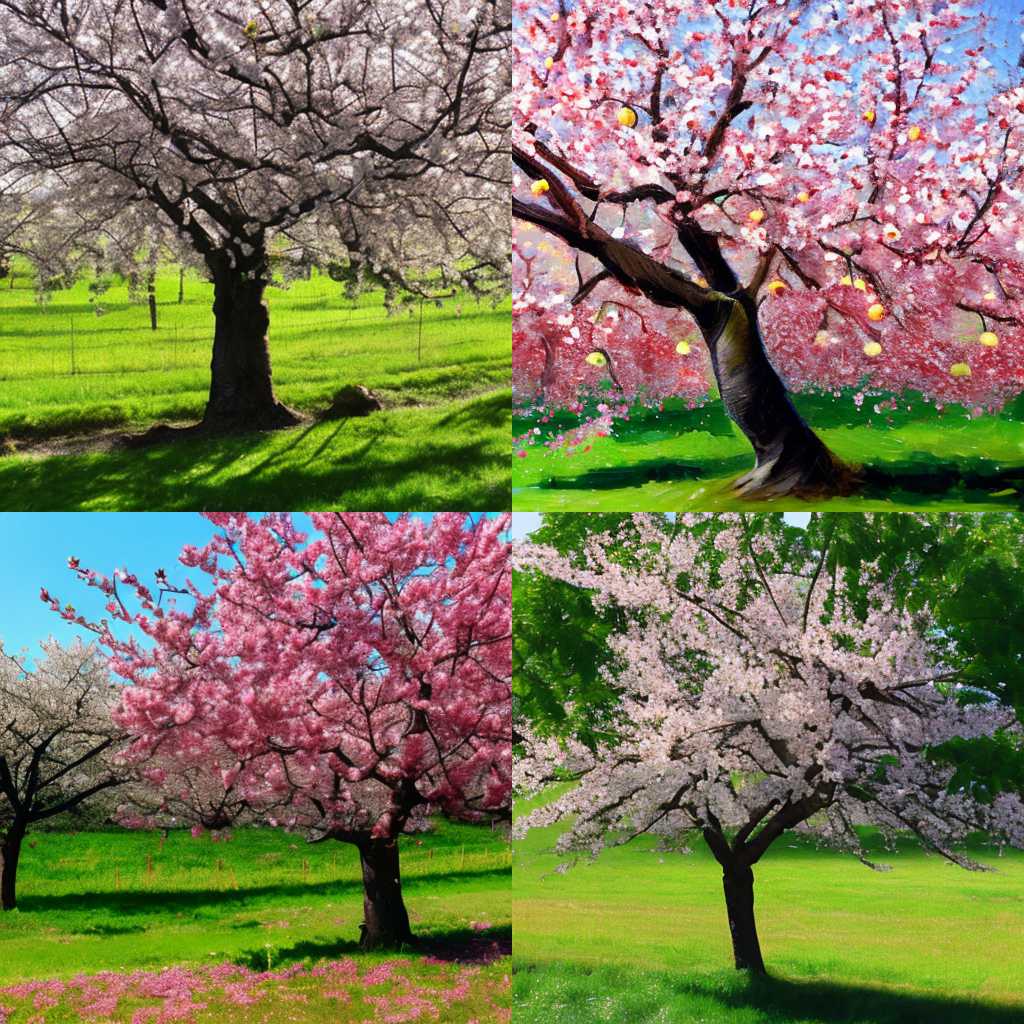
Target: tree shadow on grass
650,471
918,479
721,996
454,945
808,1001
458,471
151,901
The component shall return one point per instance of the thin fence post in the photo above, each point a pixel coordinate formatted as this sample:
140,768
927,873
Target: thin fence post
419,339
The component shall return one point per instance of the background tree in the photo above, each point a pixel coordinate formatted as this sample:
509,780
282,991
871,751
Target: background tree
349,685
752,702
58,744
826,193
235,126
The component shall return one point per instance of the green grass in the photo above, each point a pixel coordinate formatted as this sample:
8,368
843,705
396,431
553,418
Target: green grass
441,443
125,901
641,936
679,459
453,456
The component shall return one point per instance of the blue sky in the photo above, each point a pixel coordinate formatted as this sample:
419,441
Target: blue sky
36,547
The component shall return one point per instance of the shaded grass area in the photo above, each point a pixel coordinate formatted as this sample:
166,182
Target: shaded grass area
450,457
641,935
917,459
568,992
119,901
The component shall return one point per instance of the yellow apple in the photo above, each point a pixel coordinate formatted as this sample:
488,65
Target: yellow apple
859,284
988,339
869,116
539,187
872,348
756,216
776,286
683,348
913,133
596,359
960,370
626,117
549,63
846,279
803,197
554,17
876,311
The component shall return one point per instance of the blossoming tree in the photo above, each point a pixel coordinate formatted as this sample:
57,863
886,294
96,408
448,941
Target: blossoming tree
752,703
58,744
232,127
350,684
814,195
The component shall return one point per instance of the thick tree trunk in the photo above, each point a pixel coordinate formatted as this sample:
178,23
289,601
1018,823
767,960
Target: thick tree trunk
790,458
10,851
385,920
241,390
738,882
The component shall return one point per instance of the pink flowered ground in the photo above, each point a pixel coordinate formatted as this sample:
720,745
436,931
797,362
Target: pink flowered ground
394,992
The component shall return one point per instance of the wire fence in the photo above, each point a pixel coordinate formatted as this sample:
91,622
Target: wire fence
66,338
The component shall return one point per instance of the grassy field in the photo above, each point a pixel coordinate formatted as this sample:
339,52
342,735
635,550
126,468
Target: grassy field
261,928
442,441
641,936
678,459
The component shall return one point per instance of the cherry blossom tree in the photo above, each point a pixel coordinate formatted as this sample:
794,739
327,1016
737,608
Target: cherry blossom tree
232,127
349,685
802,195
58,743
753,703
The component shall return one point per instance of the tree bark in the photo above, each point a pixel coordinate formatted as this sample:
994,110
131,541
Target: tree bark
738,882
241,389
10,851
790,459
385,919
181,285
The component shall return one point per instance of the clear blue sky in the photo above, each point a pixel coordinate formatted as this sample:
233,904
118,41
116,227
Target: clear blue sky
36,546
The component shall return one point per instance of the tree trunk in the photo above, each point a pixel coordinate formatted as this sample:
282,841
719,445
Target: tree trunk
151,296
738,882
181,285
10,851
385,920
241,390
790,458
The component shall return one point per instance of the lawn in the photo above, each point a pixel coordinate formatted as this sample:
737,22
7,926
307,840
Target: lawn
662,461
641,936
260,928
68,373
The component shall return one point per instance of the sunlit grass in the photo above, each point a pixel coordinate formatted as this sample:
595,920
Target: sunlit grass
642,936
679,459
